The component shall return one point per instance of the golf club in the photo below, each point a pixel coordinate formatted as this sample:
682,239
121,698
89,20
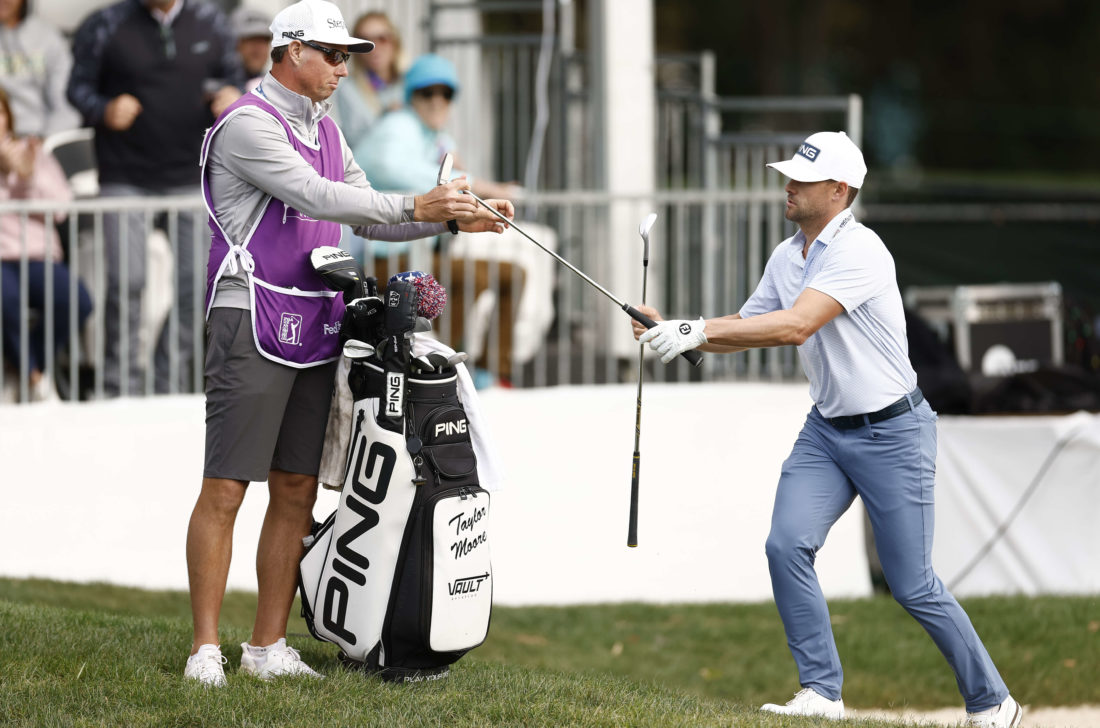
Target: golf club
691,355
632,528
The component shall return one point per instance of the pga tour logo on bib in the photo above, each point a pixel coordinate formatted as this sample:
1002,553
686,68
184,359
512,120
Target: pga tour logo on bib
290,329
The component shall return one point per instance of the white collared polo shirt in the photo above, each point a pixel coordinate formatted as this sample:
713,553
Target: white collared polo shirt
859,361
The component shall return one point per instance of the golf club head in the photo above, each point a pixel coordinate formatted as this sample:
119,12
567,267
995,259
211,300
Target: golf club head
424,364
356,349
457,358
643,230
445,169
339,270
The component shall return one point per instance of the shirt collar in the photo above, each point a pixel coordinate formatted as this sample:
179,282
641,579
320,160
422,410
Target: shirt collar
294,106
840,223
166,18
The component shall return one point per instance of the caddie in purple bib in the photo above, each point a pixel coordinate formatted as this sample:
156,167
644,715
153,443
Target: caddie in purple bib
295,319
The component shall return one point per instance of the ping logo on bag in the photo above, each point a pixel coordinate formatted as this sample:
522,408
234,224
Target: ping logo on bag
451,428
395,394
349,563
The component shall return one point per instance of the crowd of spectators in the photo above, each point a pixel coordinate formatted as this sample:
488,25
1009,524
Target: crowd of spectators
153,76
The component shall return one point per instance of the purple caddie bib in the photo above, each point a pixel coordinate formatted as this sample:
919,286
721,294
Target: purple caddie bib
295,318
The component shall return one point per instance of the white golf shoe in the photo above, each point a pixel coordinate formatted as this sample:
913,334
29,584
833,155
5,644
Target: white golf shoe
274,661
807,701
1006,715
206,666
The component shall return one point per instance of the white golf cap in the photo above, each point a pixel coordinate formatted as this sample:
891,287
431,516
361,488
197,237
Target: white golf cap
315,20
825,155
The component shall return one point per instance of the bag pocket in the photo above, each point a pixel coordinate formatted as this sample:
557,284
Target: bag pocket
459,574
445,435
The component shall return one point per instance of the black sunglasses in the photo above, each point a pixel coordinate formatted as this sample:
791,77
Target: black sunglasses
333,56
426,93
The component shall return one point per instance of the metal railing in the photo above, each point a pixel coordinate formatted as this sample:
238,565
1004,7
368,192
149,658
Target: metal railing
558,334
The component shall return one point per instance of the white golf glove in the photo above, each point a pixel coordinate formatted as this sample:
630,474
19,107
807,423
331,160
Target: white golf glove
674,337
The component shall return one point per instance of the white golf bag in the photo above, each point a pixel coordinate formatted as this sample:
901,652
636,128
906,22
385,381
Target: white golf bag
399,575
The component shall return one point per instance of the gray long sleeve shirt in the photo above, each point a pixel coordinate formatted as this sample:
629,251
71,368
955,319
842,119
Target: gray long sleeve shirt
251,161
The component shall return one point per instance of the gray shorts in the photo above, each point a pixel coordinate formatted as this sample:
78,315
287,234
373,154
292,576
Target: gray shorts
260,415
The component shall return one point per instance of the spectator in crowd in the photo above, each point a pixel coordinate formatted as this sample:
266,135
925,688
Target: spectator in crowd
34,68
252,30
402,152
27,172
375,82
152,77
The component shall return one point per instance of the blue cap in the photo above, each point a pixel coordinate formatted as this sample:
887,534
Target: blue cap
430,70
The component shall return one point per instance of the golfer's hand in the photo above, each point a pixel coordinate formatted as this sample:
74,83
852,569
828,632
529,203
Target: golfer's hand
445,202
672,338
649,311
486,221
121,111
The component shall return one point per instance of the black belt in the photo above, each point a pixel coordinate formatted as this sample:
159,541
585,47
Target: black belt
851,422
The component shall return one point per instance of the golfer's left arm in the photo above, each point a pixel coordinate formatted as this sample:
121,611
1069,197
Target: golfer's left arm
812,310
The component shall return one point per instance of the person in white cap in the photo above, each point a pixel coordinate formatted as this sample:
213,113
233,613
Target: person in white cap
831,290
279,180
251,28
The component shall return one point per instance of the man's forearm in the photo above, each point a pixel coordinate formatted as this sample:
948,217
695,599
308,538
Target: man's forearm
777,328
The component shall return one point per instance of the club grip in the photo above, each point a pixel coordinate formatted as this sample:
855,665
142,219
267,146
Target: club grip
691,355
632,526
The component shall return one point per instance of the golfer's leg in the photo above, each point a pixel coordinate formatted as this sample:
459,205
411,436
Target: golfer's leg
896,480
209,549
813,493
288,520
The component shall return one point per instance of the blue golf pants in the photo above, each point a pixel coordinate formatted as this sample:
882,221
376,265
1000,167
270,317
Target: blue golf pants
891,465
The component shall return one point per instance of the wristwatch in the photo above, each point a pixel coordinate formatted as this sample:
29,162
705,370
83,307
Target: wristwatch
452,225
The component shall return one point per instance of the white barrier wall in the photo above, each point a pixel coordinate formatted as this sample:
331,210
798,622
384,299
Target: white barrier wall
104,491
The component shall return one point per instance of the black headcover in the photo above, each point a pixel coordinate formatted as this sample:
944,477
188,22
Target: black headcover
339,270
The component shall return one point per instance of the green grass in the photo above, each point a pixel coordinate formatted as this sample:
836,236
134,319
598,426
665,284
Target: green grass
98,655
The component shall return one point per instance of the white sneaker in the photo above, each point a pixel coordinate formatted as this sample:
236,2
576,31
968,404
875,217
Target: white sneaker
808,701
1006,715
273,661
206,666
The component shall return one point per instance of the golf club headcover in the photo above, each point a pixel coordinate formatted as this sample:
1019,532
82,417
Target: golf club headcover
432,297
339,270
364,319
401,302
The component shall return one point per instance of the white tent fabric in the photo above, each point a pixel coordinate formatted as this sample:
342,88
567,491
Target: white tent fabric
1018,504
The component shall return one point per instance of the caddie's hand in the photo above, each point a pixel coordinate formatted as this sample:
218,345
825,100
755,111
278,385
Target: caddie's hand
672,338
445,202
649,311
486,221
121,111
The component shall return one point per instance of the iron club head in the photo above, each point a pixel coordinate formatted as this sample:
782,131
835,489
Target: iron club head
643,230
356,349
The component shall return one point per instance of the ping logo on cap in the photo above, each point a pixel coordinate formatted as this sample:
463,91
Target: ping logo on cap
809,151
294,34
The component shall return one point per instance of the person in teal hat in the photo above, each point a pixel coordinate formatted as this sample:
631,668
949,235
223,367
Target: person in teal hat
402,151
